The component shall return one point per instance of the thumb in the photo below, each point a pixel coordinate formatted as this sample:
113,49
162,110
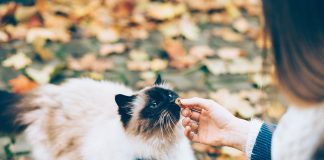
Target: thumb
196,103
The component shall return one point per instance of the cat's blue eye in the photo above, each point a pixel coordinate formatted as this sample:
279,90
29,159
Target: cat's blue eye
170,95
153,104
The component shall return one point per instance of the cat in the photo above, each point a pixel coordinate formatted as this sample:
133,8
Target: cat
84,119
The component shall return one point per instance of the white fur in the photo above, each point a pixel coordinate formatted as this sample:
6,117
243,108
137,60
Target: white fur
95,120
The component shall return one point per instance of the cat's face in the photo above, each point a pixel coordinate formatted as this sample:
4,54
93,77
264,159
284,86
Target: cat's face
152,111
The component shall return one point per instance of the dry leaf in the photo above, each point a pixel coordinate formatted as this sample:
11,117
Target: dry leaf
174,49
230,53
170,29
262,80
22,84
43,75
241,25
107,49
138,55
23,13
220,18
228,35
39,46
205,148
158,64
206,5
245,110
275,110
216,66
42,33
17,32
17,61
189,29
164,11
178,55
231,151
201,51
252,96
91,63
4,37
138,65
108,35
232,10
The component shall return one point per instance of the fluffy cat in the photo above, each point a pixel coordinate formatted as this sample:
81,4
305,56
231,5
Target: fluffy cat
84,119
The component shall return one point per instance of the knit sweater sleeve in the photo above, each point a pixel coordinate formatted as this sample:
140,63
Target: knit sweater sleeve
258,146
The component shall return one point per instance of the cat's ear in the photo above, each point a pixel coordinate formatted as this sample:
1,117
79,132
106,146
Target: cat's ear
124,107
158,80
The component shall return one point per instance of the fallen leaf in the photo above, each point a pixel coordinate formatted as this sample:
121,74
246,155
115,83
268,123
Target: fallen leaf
158,64
23,13
170,29
45,74
206,5
216,66
245,110
231,151
230,53
4,37
91,63
138,65
241,25
39,46
164,11
108,35
228,35
41,33
107,49
17,61
174,49
201,51
220,18
21,84
232,10
138,55
262,80
189,29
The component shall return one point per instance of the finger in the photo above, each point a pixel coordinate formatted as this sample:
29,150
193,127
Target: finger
196,103
188,133
186,122
195,116
194,127
186,112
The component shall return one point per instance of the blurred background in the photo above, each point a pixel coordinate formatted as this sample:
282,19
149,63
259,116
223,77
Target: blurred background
207,48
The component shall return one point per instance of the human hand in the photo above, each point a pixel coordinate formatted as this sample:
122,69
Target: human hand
208,122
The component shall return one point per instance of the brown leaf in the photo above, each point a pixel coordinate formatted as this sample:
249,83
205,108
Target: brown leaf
174,49
201,51
91,63
44,53
124,9
22,84
241,25
107,49
228,35
230,53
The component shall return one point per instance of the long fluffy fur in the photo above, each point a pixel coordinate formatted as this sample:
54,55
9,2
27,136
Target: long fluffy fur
79,120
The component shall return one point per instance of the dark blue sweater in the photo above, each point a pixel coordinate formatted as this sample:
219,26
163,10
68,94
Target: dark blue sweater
262,146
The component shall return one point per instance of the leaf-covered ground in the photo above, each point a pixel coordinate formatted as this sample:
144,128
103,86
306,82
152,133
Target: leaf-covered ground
206,48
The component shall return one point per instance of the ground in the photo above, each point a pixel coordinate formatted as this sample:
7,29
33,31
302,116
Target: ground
210,49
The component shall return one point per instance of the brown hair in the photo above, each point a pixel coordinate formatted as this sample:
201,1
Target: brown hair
296,29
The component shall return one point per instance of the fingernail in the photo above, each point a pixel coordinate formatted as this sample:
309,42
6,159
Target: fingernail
192,134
